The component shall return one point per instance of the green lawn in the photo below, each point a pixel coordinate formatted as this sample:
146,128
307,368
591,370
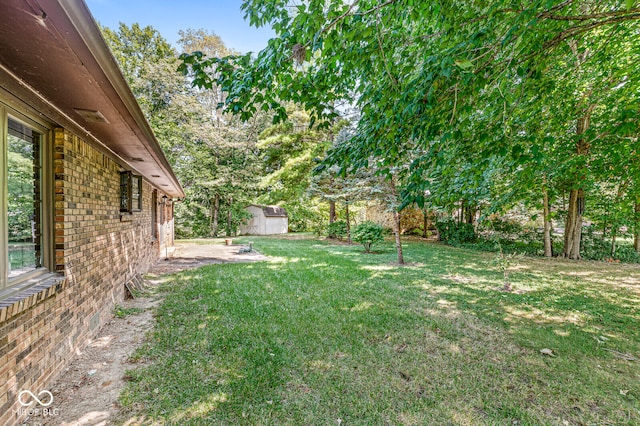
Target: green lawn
326,335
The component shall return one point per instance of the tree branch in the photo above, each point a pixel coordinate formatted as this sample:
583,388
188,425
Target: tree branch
384,58
580,29
592,16
374,9
555,8
338,19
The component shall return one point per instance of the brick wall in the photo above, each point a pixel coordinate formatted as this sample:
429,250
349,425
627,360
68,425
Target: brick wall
97,250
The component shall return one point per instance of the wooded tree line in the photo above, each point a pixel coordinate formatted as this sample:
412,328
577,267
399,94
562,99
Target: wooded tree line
473,106
224,163
213,154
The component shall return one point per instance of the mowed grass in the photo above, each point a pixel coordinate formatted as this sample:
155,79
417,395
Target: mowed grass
325,334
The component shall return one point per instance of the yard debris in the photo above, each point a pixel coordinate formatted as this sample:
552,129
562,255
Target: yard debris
400,349
625,356
547,351
600,339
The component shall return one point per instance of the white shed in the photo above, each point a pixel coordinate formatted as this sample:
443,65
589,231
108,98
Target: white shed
266,220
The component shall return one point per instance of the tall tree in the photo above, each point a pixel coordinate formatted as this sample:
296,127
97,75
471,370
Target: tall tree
449,77
214,155
228,148
289,153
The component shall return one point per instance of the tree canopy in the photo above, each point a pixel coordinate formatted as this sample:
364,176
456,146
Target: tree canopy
483,103
212,153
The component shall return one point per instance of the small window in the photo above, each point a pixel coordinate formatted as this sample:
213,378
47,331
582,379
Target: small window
130,192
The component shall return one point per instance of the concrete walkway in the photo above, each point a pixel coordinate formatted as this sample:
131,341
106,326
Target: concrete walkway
196,253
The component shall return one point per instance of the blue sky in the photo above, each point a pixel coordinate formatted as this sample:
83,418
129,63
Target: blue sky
223,17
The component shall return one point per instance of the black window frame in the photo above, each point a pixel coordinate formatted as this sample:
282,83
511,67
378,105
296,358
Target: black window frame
130,192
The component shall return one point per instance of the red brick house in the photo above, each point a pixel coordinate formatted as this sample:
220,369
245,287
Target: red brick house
86,193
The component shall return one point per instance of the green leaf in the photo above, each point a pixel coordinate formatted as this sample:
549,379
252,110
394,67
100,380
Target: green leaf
464,63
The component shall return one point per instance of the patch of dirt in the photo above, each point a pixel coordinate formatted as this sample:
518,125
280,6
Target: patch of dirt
86,393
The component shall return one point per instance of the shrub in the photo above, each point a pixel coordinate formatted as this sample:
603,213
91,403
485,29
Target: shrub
627,254
416,232
302,217
509,229
367,234
505,227
319,228
454,233
595,247
337,229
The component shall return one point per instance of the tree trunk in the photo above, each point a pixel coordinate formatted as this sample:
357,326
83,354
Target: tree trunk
425,223
575,209
573,225
348,222
636,234
546,213
396,233
332,211
614,233
332,216
469,213
229,217
214,215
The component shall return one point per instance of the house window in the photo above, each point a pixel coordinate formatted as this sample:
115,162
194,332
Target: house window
130,192
24,222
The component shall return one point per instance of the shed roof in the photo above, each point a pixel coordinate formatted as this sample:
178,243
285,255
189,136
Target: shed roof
272,211
53,59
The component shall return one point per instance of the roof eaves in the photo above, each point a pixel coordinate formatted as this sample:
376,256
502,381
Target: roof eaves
83,21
